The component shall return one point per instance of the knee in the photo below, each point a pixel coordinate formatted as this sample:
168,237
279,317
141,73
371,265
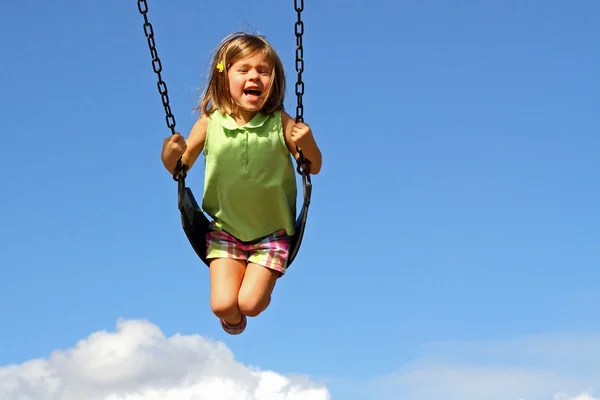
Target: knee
224,306
251,305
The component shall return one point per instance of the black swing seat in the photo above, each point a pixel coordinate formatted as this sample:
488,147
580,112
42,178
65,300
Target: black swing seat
196,224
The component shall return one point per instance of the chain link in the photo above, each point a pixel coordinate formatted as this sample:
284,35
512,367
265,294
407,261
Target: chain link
161,85
299,31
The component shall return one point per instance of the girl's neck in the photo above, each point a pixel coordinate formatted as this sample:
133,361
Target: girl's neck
242,117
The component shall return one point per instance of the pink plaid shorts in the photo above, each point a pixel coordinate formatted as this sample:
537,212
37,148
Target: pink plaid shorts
270,252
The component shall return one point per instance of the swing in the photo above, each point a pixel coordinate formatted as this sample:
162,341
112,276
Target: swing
194,221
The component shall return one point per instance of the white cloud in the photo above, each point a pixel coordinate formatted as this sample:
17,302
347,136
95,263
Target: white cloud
137,362
533,368
584,396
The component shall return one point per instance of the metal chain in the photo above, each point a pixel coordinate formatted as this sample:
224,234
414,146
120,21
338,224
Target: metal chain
162,86
299,31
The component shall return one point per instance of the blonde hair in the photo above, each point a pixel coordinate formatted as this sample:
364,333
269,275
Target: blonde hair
233,48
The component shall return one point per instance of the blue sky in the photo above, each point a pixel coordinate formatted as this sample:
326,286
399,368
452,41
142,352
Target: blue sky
458,200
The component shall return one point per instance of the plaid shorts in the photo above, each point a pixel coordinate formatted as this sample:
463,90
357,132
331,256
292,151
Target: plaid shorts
270,252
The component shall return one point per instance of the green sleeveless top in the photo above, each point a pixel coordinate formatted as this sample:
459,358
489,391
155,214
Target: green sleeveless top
249,181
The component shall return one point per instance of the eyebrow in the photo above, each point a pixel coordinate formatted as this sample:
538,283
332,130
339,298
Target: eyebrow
262,65
266,64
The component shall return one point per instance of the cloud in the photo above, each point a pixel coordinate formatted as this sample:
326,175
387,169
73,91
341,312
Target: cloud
533,368
137,362
584,396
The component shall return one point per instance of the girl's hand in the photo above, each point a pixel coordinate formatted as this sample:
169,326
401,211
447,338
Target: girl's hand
173,148
301,134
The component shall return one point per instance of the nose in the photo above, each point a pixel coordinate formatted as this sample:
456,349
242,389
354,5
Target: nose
254,74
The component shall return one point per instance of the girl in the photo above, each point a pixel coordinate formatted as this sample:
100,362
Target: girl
250,182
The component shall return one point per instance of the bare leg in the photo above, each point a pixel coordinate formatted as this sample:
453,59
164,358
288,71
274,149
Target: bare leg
256,288
226,276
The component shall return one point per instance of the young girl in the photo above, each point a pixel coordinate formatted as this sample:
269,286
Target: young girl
250,182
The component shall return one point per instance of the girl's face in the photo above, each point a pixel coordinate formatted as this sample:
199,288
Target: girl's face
249,83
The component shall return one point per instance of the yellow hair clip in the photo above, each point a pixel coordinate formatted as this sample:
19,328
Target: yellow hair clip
220,66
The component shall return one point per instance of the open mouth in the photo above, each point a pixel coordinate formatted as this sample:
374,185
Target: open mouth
252,92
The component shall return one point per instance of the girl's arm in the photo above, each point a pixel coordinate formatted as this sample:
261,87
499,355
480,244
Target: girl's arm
300,134
193,146
195,141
